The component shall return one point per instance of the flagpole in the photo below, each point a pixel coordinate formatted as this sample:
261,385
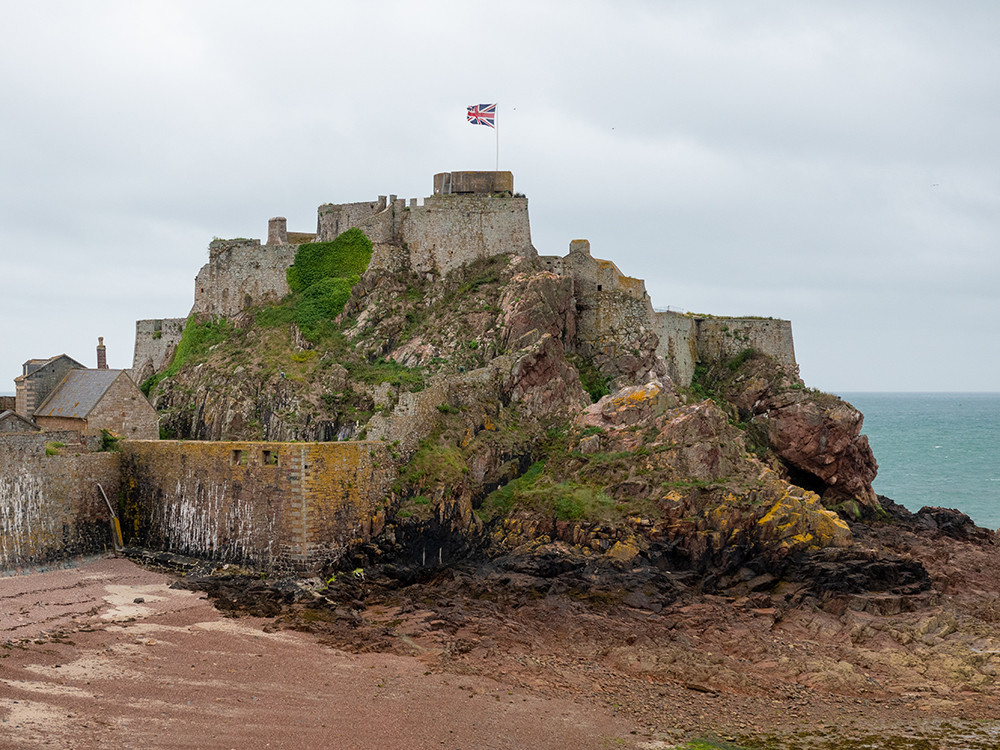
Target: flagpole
497,128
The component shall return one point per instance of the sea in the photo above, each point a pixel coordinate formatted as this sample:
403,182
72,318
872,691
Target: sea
938,449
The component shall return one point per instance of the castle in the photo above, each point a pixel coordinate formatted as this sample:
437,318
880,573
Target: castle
297,504
469,216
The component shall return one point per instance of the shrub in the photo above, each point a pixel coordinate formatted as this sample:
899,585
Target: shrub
109,442
322,301
348,255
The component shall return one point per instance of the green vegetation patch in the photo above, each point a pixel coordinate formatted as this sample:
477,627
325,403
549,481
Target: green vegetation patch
536,491
322,302
321,279
109,442
386,371
346,256
196,340
435,462
592,379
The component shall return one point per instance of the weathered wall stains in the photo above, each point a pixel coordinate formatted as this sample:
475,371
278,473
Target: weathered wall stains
272,505
50,506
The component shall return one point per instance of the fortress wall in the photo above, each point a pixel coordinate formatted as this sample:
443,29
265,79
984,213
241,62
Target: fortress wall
613,310
553,263
450,231
274,505
336,218
678,345
155,342
241,273
50,506
723,338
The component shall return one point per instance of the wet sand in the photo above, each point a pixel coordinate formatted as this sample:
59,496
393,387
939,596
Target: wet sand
105,655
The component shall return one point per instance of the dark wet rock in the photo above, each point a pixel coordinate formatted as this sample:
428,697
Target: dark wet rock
858,571
951,522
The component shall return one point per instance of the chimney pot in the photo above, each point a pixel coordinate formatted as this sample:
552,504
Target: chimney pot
102,354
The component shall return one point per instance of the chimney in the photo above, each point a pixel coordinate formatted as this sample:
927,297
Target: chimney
102,355
277,231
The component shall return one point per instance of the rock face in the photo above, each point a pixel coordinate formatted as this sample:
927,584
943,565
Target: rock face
817,436
820,436
470,378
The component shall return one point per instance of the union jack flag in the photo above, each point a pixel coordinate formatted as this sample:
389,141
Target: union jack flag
483,114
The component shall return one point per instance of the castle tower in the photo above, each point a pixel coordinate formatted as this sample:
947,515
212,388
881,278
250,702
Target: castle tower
277,231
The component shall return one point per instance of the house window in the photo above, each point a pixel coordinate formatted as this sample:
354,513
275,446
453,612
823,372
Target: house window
239,458
269,458
598,287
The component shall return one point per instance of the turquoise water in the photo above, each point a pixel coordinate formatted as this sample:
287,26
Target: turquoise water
936,449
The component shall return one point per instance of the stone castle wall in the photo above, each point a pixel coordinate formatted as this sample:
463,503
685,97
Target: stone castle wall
615,314
155,342
273,505
678,345
442,233
280,506
241,273
336,218
720,339
50,506
448,230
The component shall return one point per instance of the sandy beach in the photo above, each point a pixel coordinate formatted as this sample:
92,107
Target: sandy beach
105,655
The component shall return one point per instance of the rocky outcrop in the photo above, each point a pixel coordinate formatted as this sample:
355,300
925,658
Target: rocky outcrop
817,436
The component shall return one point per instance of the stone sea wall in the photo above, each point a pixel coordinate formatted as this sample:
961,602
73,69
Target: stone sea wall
272,505
50,505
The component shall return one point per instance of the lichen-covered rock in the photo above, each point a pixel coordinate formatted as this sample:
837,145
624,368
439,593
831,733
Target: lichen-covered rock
798,521
630,405
816,435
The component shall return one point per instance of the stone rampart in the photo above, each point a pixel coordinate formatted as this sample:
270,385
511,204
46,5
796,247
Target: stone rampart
155,342
240,274
336,218
443,233
615,316
273,505
678,345
613,310
50,505
719,339
451,231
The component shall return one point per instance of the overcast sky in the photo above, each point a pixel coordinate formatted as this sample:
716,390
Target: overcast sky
833,163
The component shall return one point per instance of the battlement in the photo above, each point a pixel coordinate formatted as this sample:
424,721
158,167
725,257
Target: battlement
470,216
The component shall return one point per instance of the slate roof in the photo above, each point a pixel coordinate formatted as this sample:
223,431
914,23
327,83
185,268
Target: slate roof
77,394
13,416
34,365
